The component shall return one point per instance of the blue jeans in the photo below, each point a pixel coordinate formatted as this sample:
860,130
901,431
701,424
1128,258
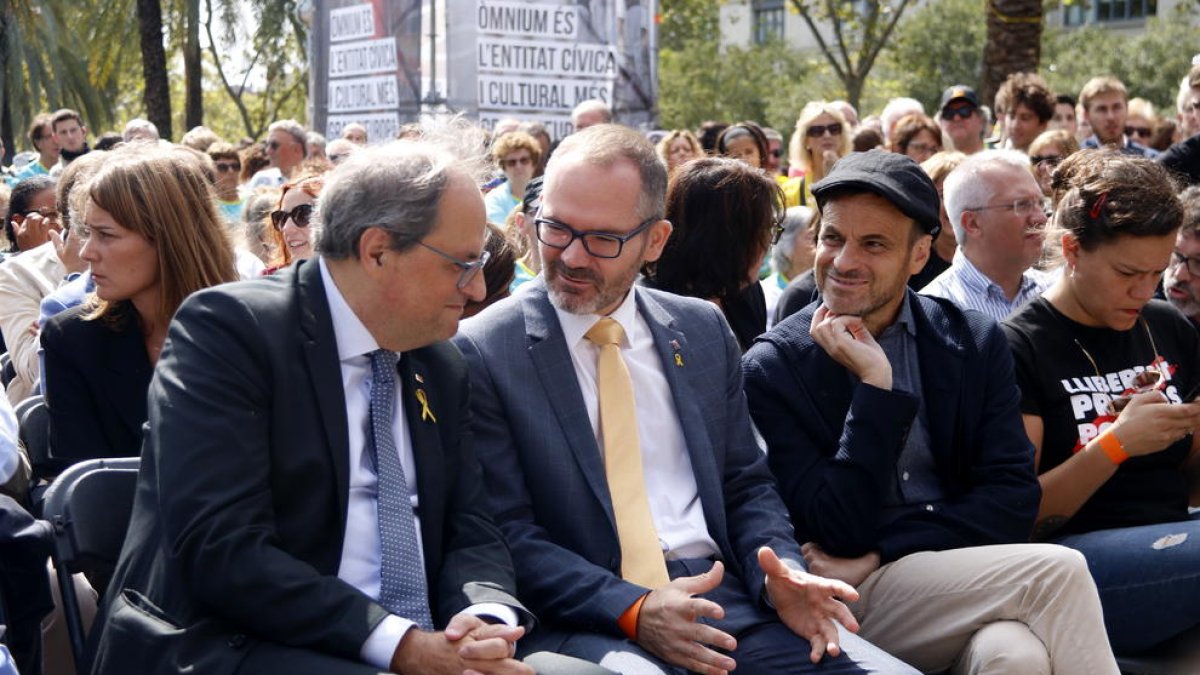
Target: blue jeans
1149,582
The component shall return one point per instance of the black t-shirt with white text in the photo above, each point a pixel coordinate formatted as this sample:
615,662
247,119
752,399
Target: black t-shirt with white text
1062,385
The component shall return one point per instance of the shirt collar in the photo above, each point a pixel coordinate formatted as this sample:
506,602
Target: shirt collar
904,319
575,326
352,337
980,283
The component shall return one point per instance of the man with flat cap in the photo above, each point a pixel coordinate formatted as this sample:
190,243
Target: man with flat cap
893,428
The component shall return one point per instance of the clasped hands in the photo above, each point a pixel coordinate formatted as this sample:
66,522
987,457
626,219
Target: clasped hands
468,646
809,605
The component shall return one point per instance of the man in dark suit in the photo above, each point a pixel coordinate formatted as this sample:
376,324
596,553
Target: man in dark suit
305,503
645,527
893,427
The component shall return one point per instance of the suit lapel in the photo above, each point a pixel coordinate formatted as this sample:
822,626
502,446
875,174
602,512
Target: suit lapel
552,360
324,368
674,353
941,364
426,444
126,357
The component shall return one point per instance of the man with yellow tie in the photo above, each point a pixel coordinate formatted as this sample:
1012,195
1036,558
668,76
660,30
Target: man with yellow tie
644,526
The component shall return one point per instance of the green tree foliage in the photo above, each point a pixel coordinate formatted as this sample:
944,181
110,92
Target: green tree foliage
1151,63
938,45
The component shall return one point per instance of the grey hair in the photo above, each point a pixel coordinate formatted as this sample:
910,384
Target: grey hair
604,145
894,110
139,124
592,105
293,129
396,186
965,187
794,224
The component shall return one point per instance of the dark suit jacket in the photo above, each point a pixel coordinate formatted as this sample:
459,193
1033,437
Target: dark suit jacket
546,475
833,445
96,377
238,522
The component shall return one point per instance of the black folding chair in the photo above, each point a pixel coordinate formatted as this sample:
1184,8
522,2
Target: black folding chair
33,420
89,506
8,370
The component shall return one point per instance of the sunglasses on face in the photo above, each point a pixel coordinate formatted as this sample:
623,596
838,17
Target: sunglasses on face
1143,132
1051,160
818,130
226,167
301,216
961,112
517,161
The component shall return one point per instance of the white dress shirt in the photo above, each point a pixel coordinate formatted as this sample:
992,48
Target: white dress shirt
361,550
667,466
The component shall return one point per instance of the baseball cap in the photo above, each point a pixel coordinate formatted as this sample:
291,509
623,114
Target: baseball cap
891,175
957,92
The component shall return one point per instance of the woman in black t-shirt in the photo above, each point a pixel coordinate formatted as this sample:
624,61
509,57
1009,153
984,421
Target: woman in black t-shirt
1106,374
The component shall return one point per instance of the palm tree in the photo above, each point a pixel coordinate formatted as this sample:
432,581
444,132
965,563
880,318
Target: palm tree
157,94
42,66
1014,41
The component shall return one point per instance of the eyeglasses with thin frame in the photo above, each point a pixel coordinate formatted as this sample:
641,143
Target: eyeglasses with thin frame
1021,208
470,268
598,244
1192,263
301,216
961,112
818,130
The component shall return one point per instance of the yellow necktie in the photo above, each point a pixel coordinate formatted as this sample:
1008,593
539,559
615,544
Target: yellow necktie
641,555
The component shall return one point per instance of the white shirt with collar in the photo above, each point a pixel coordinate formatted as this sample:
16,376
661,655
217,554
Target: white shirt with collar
361,551
964,285
667,466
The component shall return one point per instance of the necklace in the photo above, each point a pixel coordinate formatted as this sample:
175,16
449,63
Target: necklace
1148,380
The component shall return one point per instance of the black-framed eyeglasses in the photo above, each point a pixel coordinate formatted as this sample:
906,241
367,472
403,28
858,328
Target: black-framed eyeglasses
1053,160
1193,264
301,216
470,268
1020,208
598,244
818,130
961,112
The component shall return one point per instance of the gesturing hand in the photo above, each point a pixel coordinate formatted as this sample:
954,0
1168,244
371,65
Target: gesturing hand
846,339
32,230
808,604
67,247
668,626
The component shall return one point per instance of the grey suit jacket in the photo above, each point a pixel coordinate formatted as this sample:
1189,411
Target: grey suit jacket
545,473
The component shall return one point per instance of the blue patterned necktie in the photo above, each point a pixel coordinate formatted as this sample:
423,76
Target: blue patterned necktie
402,588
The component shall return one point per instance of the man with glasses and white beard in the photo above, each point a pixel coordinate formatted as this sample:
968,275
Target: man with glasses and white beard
995,206
1181,280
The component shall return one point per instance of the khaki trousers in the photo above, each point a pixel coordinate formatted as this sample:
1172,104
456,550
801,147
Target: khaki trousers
1022,608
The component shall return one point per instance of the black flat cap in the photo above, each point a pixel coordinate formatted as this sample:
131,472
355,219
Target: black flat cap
890,175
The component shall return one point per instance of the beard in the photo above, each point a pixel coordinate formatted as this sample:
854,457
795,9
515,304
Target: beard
604,293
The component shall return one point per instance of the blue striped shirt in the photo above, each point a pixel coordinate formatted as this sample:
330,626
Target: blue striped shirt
964,285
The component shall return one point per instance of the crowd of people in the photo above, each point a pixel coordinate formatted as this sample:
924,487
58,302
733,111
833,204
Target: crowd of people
897,394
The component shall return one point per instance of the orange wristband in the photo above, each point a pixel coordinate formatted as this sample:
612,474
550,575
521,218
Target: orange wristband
1112,447
628,621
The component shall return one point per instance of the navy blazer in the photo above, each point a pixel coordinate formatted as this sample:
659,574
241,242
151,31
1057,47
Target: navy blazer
546,474
833,444
96,379
239,519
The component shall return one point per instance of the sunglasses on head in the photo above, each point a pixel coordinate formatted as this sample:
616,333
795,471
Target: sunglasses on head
818,130
301,216
960,112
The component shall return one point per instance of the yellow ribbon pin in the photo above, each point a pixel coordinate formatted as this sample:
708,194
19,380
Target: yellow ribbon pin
678,360
426,413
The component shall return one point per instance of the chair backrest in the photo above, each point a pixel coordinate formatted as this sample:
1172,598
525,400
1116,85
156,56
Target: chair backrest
89,507
33,419
8,370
